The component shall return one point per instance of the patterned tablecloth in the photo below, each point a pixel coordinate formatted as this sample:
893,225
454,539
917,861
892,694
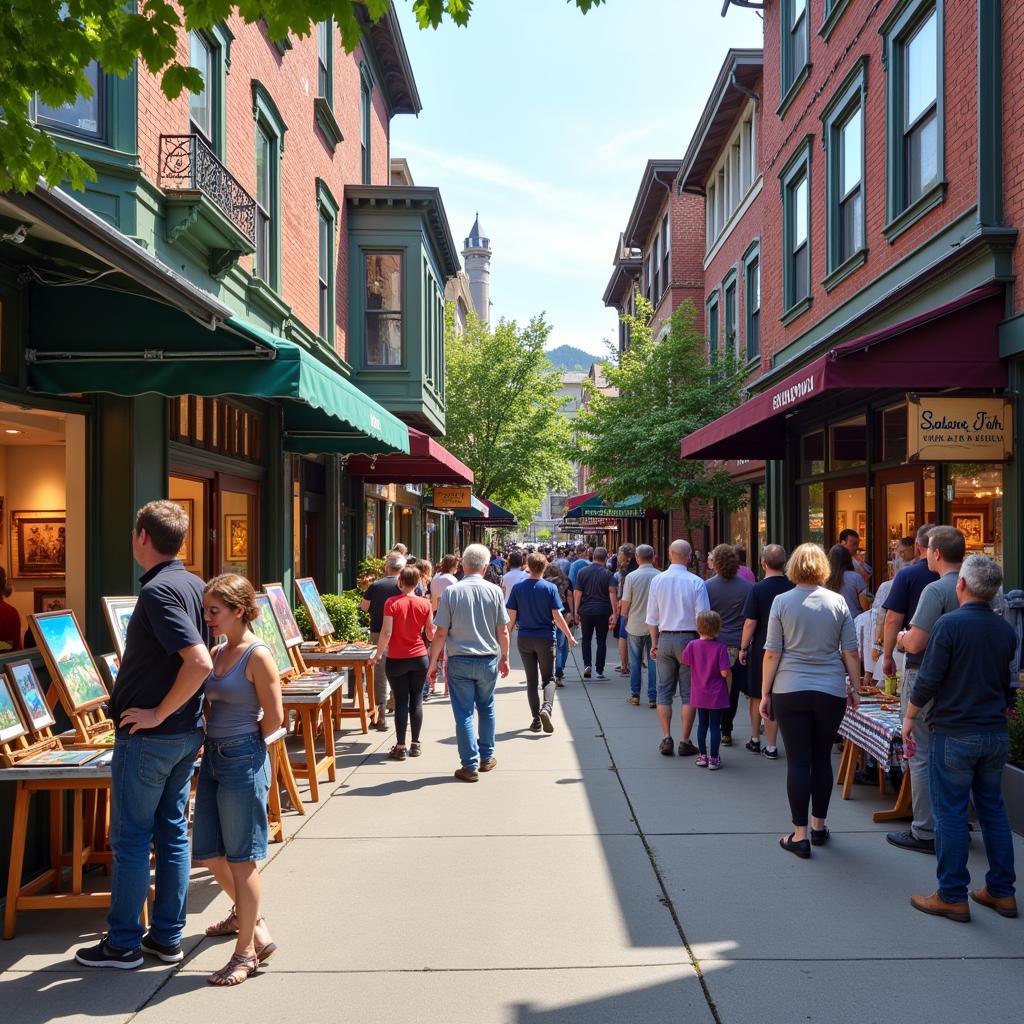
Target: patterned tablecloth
876,731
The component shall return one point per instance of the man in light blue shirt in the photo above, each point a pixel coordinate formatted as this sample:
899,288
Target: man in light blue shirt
574,570
472,629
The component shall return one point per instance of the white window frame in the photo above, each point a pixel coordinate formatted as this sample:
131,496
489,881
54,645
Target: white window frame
732,179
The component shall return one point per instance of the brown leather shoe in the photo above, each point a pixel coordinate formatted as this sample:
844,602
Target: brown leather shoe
1004,905
937,906
489,766
467,774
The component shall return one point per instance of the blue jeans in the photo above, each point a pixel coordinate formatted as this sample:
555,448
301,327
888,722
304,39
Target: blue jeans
561,653
638,645
961,768
149,787
471,683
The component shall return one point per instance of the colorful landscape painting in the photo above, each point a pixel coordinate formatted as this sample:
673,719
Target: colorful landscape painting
11,725
315,607
265,627
119,612
59,759
283,613
71,658
27,684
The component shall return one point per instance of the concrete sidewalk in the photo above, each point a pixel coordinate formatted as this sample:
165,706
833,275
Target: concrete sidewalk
587,879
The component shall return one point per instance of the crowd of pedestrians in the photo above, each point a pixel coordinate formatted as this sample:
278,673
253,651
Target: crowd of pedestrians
786,643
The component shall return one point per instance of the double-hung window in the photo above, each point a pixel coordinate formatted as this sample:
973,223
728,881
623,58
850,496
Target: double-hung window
665,253
752,273
795,52
323,61
365,116
82,117
270,130
731,344
383,309
327,219
914,51
843,123
201,105
796,211
711,318
656,269
729,183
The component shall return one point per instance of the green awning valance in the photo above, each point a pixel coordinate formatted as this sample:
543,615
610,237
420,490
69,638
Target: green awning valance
168,354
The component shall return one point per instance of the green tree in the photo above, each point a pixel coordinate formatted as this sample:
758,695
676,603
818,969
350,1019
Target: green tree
503,412
46,48
663,390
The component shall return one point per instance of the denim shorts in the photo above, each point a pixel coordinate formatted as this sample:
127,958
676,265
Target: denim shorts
231,800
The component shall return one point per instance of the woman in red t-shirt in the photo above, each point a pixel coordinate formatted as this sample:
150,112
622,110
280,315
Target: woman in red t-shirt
406,618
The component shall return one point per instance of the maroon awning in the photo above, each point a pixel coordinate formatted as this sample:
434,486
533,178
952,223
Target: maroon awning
427,463
952,346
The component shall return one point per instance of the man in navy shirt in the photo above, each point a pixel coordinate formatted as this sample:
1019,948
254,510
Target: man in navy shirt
536,606
157,705
901,602
966,678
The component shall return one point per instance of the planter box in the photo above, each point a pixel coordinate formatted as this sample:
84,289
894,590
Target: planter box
1013,796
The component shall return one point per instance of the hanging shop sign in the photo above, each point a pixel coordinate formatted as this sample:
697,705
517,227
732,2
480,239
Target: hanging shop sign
452,497
959,428
615,513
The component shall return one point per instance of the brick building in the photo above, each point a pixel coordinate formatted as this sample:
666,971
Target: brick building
888,247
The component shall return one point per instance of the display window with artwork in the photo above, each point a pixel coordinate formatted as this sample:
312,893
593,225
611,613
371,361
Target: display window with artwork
43,490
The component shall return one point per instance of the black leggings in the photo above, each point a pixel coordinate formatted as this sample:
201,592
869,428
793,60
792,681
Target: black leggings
592,623
538,654
406,677
808,721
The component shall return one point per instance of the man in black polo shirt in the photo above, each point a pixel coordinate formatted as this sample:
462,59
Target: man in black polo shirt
157,703
597,605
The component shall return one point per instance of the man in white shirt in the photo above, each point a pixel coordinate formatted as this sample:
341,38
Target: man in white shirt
675,598
514,574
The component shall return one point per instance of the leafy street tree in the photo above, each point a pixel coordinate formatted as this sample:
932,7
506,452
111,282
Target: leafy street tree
665,390
502,416
46,48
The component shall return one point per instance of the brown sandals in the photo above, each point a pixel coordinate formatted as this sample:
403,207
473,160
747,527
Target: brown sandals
228,926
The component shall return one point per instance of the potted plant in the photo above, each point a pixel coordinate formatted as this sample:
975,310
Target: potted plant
368,570
1013,773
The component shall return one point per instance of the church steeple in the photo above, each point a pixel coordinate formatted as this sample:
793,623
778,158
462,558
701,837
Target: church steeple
476,255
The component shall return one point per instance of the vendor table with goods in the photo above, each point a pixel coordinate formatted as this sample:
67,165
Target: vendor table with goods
89,784
875,728
357,658
314,710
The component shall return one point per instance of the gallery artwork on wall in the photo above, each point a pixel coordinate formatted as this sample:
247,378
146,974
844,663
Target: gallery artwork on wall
236,538
187,547
49,599
38,544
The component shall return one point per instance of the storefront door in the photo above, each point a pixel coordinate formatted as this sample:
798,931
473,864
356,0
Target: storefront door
904,500
237,527
846,503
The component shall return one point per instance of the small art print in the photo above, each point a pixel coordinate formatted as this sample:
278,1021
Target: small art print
315,609
11,725
38,544
283,613
47,599
30,691
119,613
265,627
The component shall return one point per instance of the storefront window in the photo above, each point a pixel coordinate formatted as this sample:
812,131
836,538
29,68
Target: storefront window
813,455
371,529
975,494
894,433
849,443
739,527
849,506
812,501
762,524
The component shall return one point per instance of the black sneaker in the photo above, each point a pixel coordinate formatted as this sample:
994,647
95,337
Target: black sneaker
535,725
908,841
754,746
169,954
105,955
772,753
726,740
586,672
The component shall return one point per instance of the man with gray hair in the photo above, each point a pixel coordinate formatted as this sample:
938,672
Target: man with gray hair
675,598
966,680
633,608
472,630
374,598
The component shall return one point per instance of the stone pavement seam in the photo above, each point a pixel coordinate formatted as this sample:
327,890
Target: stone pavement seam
666,899
471,970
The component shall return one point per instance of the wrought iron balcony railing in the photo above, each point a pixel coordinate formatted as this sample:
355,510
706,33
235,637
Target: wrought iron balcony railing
188,162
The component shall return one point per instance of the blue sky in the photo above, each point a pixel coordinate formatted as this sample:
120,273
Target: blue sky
542,119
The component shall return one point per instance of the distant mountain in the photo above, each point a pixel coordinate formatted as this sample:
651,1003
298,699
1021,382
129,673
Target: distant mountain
568,357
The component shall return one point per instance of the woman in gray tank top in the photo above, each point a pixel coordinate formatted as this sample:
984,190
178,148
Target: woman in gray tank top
243,704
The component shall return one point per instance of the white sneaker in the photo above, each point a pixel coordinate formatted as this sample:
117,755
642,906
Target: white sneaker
600,675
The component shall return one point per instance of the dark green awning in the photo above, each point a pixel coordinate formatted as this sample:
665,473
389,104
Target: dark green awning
169,354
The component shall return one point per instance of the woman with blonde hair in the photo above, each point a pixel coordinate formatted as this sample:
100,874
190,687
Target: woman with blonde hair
243,704
809,676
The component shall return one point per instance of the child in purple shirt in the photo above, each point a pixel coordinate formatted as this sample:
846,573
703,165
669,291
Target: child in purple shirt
710,680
